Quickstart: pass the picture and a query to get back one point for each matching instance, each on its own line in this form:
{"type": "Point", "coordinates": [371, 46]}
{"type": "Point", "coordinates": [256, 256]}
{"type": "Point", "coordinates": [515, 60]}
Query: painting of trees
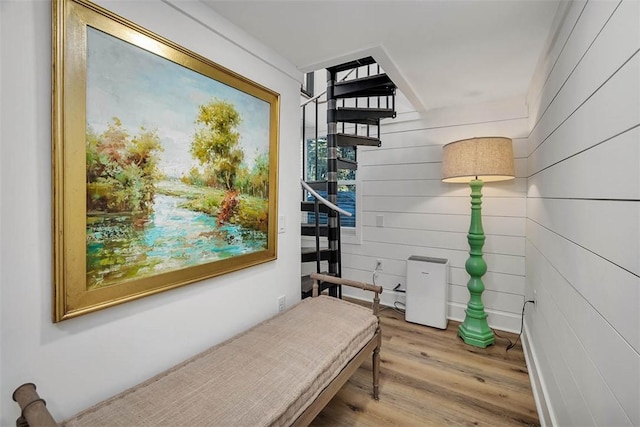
{"type": "Point", "coordinates": [259, 178]}
{"type": "Point", "coordinates": [121, 171]}
{"type": "Point", "coordinates": [254, 181]}
{"type": "Point", "coordinates": [216, 143]}
{"type": "Point", "coordinates": [178, 153]}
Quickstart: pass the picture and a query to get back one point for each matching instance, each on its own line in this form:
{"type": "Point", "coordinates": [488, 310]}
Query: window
{"type": "Point", "coordinates": [316, 170]}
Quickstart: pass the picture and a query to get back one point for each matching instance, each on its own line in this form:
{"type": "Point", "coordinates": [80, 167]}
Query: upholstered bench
{"type": "Point", "coordinates": [281, 372]}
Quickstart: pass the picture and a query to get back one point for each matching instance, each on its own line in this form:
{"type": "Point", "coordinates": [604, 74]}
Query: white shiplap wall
{"type": "Point", "coordinates": [583, 218]}
{"type": "Point", "coordinates": [401, 181]}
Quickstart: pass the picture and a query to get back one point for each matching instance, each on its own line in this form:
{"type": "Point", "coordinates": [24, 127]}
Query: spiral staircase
{"type": "Point", "coordinates": [358, 96]}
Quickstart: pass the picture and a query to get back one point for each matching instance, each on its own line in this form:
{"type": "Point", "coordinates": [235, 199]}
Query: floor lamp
{"type": "Point", "coordinates": [476, 161]}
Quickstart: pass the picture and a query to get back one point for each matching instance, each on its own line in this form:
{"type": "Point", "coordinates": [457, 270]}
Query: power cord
{"type": "Point", "coordinates": [403, 309]}
{"type": "Point", "coordinates": [397, 288]}
{"type": "Point", "coordinates": [400, 310]}
{"type": "Point", "coordinates": [511, 345]}
{"type": "Point", "coordinates": [397, 309]}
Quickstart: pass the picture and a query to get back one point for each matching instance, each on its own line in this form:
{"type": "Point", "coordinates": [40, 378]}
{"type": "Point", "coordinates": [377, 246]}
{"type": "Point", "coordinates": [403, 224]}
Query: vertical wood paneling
{"type": "Point", "coordinates": [583, 210]}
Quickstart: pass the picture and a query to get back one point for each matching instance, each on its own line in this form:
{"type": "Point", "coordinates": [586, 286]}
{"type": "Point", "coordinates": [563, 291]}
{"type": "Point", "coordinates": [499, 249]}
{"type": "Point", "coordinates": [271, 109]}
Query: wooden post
{"type": "Point", "coordinates": [376, 306]}
{"type": "Point", "coordinates": [377, 290]}
{"type": "Point", "coordinates": [34, 409]}
{"type": "Point", "coordinates": [376, 351]}
{"type": "Point", "coordinates": [376, 366]}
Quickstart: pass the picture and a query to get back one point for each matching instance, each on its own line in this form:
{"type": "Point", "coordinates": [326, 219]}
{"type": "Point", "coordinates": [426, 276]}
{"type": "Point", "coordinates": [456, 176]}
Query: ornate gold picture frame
{"type": "Point", "coordinates": [165, 164]}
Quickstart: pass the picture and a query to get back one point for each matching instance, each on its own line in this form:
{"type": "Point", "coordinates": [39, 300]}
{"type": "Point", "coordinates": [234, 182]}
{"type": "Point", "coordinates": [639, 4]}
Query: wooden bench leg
{"type": "Point", "coordinates": [376, 367]}
{"type": "Point", "coordinates": [34, 409]}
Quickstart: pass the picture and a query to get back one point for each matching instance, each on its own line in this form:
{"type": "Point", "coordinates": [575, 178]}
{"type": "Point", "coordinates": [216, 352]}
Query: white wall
{"type": "Point", "coordinates": [86, 359]}
{"type": "Point", "coordinates": [401, 181]}
{"type": "Point", "coordinates": [583, 218]}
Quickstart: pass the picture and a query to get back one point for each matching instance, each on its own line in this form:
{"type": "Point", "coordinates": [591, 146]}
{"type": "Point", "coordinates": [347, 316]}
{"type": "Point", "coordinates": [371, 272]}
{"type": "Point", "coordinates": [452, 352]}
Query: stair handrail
{"type": "Point", "coordinates": [310, 100]}
{"type": "Point", "coordinates": [323, 200]}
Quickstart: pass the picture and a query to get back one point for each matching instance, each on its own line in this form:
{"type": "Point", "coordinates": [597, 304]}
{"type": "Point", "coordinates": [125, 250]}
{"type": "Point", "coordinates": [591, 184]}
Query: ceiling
{"type": "Point", "coordinates": [439, 52]}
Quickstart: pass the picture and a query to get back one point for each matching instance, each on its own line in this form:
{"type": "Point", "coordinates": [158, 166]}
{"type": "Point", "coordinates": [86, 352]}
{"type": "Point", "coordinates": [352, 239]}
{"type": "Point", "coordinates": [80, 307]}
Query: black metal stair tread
{"type": "Point", "coordinates": [370, 116]}
{"type": "Point", "coordinates": [318, 185]}
{"type": "Point", "coordinates": [372, 110]}
{"type": "Point", "coordinates": [376, 85]}
{"type": "Point", "coordinates": [309, 229]}
{"type": "Point", "coordinates": [362, 121]}
{"type": "Point", "coordinates": [350, 140]}
{"type": "Point", "coordinates": [347, 164]}
{"type": "Point", "coordinates": [379, 79]}
{"type": "Point", "coordinates": [309, 254]}
{"type": "Point", "coordinates": [352, 64]}
{"type": "Point", "coordinates": [306, 206]}
{"type": "Point", "coordinates": [311, 249]}
{"type": "Point", "coordinates": [344, 93]}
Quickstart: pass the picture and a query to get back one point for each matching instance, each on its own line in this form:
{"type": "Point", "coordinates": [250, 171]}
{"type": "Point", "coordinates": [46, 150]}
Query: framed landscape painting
{"type": "Point", "coordinates": [164, 163]}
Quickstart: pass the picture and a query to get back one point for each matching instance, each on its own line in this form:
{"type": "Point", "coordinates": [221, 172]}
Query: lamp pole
{"type": "Point", "coordinates": [475, 330]}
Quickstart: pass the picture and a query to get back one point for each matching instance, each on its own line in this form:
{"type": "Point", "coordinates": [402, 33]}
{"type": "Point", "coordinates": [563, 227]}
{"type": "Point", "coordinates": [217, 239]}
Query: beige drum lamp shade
{"type": "Point", "coordinates": [488, 159]}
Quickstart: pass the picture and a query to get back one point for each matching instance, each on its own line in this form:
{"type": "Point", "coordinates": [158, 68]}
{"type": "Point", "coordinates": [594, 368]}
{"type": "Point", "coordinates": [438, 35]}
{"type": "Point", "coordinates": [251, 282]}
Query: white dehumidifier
{"type": "Point", "coordinates": [427, 291]}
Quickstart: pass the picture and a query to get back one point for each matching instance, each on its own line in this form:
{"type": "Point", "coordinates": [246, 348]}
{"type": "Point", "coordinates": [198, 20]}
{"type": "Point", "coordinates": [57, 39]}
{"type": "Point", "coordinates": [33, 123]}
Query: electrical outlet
{"type": "Point", "coordinates": [282, 303]}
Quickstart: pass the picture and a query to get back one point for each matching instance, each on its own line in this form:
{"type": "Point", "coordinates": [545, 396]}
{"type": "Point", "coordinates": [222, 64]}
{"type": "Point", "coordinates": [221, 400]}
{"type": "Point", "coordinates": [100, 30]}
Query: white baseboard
{"type": "Point", "coordinates": [499, 320]}
{"type": "Point", "coordinates": [540, 395]}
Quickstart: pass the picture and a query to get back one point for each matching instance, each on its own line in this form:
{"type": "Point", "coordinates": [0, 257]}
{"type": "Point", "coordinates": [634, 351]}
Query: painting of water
{"type": "Point", "coordinates": [164, 163]}
{"type": "Point", "coordinates": [176, 164]}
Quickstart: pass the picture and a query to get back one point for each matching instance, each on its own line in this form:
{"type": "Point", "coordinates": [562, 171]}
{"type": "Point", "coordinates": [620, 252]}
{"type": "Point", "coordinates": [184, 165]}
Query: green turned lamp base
{"type": "Point", "coordinates": [475, 329]}
{"type": "Point", "coordinates": [476, 332]}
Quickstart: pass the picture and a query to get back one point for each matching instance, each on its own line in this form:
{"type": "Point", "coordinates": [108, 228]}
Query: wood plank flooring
{"type": "Point", "coordinates": [429, 377]}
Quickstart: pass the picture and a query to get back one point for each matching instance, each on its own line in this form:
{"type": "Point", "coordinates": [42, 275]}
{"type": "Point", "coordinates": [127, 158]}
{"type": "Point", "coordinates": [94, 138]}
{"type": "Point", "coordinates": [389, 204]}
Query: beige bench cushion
{"type": "Point", "coordinates": [264, 376]}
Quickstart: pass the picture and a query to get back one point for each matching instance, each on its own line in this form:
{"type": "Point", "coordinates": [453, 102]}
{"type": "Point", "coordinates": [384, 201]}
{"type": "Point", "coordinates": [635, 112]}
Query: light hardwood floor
{"type": "Point", "coordinates": [429, 377]}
